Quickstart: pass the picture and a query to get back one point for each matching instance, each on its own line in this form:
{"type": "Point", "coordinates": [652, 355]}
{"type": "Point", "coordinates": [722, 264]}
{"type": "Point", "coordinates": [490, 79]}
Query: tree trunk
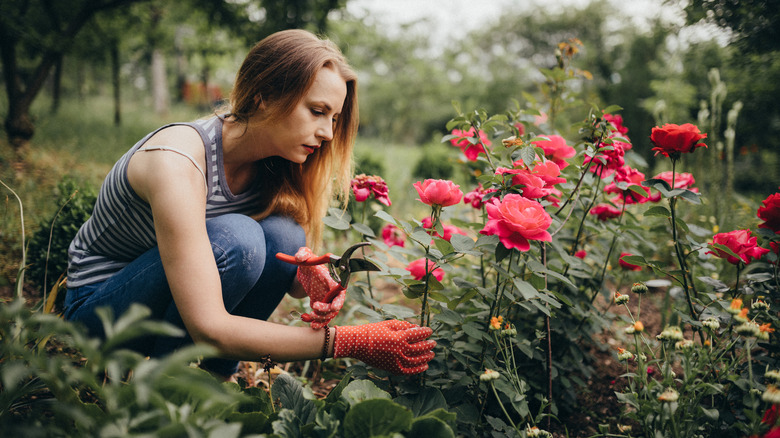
{"type": "Point", "coordinates": [56, 85]}
{"type": "Point", "coordinates": [115, 81]}
{"type": "Point", "coordinates": [159, 83]}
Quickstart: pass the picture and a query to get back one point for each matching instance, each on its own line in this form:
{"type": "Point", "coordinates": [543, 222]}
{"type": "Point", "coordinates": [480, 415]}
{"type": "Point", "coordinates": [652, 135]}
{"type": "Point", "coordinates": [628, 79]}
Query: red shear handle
{"type": "Point", "coordinates": [326, 296]}
{"type": "Point", "coordinates": [311, 261]}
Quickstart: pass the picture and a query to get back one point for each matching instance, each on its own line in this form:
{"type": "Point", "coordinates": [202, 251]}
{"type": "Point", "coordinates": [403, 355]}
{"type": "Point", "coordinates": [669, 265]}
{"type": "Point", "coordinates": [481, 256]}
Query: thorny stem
{"type": "Point", "coordinates": [678, 250]}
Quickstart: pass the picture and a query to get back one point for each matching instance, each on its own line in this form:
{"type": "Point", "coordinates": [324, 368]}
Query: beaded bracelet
{"type": "Point", "coordinates": [325, 344]}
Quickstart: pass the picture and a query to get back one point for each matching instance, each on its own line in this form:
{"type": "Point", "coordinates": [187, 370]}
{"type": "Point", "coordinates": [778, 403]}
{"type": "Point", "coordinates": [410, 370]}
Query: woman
{"type": "Point", "coordinates": [188, 221]}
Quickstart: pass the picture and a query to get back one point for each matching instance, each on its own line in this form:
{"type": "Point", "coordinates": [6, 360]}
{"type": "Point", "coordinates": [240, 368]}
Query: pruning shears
{"type": "Point", "coordinates": [340, 267]}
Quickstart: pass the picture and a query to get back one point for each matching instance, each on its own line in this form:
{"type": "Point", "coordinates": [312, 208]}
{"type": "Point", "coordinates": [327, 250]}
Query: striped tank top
{"type": "Point", "coordinates": [121, 227]}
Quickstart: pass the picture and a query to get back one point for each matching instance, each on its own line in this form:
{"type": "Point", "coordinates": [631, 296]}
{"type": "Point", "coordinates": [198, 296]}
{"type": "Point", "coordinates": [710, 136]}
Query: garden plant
{"type": "Point", "coordinates": [553, 238]}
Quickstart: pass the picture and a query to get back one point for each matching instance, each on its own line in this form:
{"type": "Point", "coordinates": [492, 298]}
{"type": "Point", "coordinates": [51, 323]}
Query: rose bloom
{"type": "Point", "coordinates": [516, 220]}
{"type": "Point", "coordinates": [536, 183]}
{"type": "Point", "coordinates": [770, 213]}
{"type": "Point", "coordinates": [471, 151]}
{"type": "Point", "coordinates": [616, 120]}
{"type": "Point", "coordinates": [556, 150]}
{"type": "Point", "coordinates": [449, 230]}
{"type": "Point", "coordinates": [438, 192]}
{"type": "Point", "coordinates": [673, 140]}
{"type": "Point", "coordinates": [629, 176]}
{"type": "Point", "coordinates": [392, 236]}
{"type": "Point", "coordinates": [364, 186]}
{"type": "Point", "coordinates": [741, 243]}
{"type": "Point", "coordinates": [417, 269]}
{"type": "Point", "coordinates": [628, 266]}
{"type": "Point", "coordinates": [605, 212]}
{"type": "Point", "coordinates": [608, 158]}
{"type": "Point", "coordinates": [474, 197]}
{"type": "Point", "coordinates": [581, 254]}
{"type": "Point", "coordinates": [681, 181]}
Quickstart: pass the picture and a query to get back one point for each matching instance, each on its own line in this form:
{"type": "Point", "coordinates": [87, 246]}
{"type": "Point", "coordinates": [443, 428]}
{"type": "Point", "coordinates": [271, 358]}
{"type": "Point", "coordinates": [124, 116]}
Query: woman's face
{"type": "Point", "coordinates": [311, 122]}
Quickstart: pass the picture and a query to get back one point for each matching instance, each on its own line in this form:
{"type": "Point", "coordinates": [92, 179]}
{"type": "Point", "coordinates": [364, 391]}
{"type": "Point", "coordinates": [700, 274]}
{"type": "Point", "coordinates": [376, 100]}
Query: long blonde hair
{"type": "Point", "coordinates": [278, 72]}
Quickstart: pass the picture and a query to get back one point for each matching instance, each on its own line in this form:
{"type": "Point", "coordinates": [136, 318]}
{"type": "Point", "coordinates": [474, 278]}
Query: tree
{"type": "Point", "coordinates": [754, 23]}
{"type": "Point", "coordinates": [34, 35]}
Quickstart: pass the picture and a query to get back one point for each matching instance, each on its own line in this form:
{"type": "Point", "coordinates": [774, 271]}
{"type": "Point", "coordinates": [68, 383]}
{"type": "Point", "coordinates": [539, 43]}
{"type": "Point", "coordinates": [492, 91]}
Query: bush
{"type": "Point", "coordinates": [48, 252]}
{"type": "Point", "coordinates": [435, 163]}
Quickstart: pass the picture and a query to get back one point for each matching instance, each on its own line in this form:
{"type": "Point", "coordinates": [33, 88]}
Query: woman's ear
{"type": "Point", "coordinates": [259, 102]}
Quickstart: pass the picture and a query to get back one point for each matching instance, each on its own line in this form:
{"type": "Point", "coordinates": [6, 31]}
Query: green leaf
{"type": "Point", "coordinates": [713, 414]}
{"type": "Point", "coordinates": [427, 400]}
{"type": "Point", "coordinates": [725, 249]}
{"type": "Point", "coordinates": [612, 109]}
{"type": "Point", "coordinates": [335, 394]}
{"type": "Point", "coordinates": [526, 290]}
{"type": "Point", "coordinates": [385, 216]}
{"type": "Point", "coordinates": [363, 229]}
{"type": "Point", "coordinates": [378, 417]}
{"type": "Point", "coordinates": [360, 390]}
{"type": "Point", "coordinates": [431, 427]}
{"type": "Point", "coordinates": [337, 219]}
{"type": "Point", "coordinates": [289, 392]}
{"type": "Point", "coordinates": [528, 155]}
{"type": "Point", "coordinates": [288, 425]}
{"type": "Point", "coordinates": [658, 210]}
{"type": "Point", "coordinates": [251, 422]}
{"type": "Point", "coordinates": [462, 243]}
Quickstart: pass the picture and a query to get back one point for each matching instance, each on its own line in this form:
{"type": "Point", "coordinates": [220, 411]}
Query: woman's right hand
{"type": "Point", "coordinates": [325, 294]}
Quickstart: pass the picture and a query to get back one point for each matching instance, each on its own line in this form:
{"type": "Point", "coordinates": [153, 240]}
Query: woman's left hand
{"type": "Point", "coordinates": [325, 294]}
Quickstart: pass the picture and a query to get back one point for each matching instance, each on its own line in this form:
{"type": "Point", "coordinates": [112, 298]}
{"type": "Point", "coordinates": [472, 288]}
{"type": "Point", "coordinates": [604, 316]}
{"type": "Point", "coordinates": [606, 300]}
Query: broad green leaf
{"type": "Point", "coordinates": [431, 427]}
{"type": "Point", "coordinates": [427, 400]}
{"type": "Point", "coordinates": [360, 390]}
{"type": "Point", "coordinates": [378, 417]}
{"type": "Point", "coordinates": [289, 392]}
{"type": "Point", "coordinates": [462, 243]}
{"type": "Point", "coordinates": [363, 229]}
{"type": "Point", "coordinates": [251, 422]}
{"type": "Point", "coordinates": [335, 394]}
{"type": "Point", "coordinates": [526, 290]}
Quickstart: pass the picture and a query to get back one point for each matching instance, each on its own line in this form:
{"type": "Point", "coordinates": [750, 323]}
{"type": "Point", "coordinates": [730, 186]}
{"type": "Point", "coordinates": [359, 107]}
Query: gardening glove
{"type": "Point", "coordinates": [393, 345]}
{"type": "Point", "coordinates": [325, 294]}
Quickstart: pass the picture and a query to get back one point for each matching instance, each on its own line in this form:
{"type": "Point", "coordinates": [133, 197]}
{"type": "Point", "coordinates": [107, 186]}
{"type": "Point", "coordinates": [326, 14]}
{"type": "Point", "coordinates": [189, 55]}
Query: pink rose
{"type": "Point", "coordinates": [438, 192]}
{"type": "Point", "coordinates": [627, 176]}
{"type": "Point", "coordinates": [741, 243]}
{"type": "Point", "coordinates": [673, 140]}
{"type": "Point", "coordinates": [516, 220]}
{"type": "Point", "coordinates": [392, 236]}
{"type": "Point", "coordinates": [556, 150]}
{"type": "Point", "coordinates": [681, 181]}
{"type": "Point", "coordinates": [449, 230]}
{"type": "Point", "coordinates": [536, 183]}
{"type": "Point", "coordinates": [364, 186]}
{"type": "Point", "coordinates": [770, 213]}
{"type": "Point", "coordinates": [475, 196]}
{"type": "Point", "coordinates": [608, 157]}
{"type": "Point", "coordinates": [581, 254]}
{"type": "Point", "coordinates": [471, 151]}
{"type": "Point", "coordinates": [605, 211]}
{"type": "Point", "coordinates": [418, 269]}
{"type": "Point", "coordinates": [628, 266]}
{"type": "Point", "coordinates": [616, 120]}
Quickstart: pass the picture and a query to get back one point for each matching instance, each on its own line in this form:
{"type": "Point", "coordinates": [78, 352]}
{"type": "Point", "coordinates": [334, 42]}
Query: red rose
{"type": "Point", "coordinates": [605, 211]}
{"type": "Point", "coordinates": [770, 213]}
{"type": "Point", "coordinates": [681, 181]}
{"type": "Point", "coordinates": [516, 220]}
{"type": "Point", "coordinates": [673, 140]}
{"type": "Point", "coordinates": [616, 121]}
{"type": "Point", "coordinates": [771, 415]}
{"type": "Point", "coordinates": [556, 150]}
{"type": "Point", "coordinates": [741, 243]}
{"type": "Point", "coordinates": [438, 192]}
{"type": "Point", "coordinates": [392, 236]}
{"type": "Point", "coordinates": [471, 151]}
{"type": "Point", "coordinates": [581, 254]}
{"type": "Point", "coordinates": [364, 186]}
{"type": "Point", "coordinates": [627, 176]}
{"type": "Point", "coordinates": [418, 270]}
{"type": "Point", "coordinates": [628, 266]}
{"type": "Point", "coordinates": [608, 158]}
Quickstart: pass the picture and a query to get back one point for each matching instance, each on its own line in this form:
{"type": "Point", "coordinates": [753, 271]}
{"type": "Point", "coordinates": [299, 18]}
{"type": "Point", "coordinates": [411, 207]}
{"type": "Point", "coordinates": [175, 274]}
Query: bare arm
{"type": "Point", "coordinates": [174, 189]}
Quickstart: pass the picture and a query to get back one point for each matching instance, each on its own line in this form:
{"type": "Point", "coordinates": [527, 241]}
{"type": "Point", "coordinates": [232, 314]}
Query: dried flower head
{"type": "Point", "coordinates": [771, 395]}
{"type": "Point", "coordinates": [764, 331]}
{"type": "Point", "coordinates": [759, 305]}
{"type": "Point", "coordinates": [495, 322]}
{"type": "Point", "coordinates": [685, 344]}
{"type": "Point", "coordinates": [669, 396]}
{"type": "Point", "coordinates": [639, 327]}
{"type": "Point", "coordinates": [735, 307]}
{"type": "Point", "coordinates": [624, 354]}
{"type": "Point", "coordinates": [489, 375]}
{"type": "Point", "coordinates": [535, 432]}
{"type": "Point", "coordinates": [509, 330]}
{"type": "Point", "coordinates": [711, 323]}
{"type": "Point", "coordinates": [512, 141]}
{"type": "Point", "coordinates": [620, 298]}
{"type": "Point", "coordinates": [671, 334]}
{"type": "Point", "coordinates": [749, 329]}
{"type": "Point", "coordinates": [742, 316]}
{"type": "Point", "coordinates": [639, 288]}
{"type": "Point", "coordinates": [773, 376]}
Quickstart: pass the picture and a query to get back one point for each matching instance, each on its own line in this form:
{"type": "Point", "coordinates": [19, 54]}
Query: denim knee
{"type": "Point", "coordinates": [239, 247]}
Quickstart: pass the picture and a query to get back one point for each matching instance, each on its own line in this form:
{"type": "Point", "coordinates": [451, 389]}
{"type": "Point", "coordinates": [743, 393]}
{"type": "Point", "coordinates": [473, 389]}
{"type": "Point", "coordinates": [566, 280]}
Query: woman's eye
{"type": "Point", "coordinates": [317, 112]}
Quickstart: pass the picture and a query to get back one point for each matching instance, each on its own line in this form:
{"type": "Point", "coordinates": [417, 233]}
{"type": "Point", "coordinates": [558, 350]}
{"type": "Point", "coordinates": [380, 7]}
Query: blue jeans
{"type": "Point", "coordinates": [253, 280]}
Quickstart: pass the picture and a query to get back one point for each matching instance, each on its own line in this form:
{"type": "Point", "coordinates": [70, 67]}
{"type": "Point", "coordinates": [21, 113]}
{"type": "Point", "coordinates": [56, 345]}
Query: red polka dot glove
{"type": "Point", "coordinates": [396, 346]}
{"type": "Point", "coordinates": [325, 294]}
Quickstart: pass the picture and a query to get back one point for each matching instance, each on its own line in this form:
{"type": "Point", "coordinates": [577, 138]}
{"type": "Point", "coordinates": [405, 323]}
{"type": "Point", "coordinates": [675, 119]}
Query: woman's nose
{"type": "Point", "coordinates": [325, 131]}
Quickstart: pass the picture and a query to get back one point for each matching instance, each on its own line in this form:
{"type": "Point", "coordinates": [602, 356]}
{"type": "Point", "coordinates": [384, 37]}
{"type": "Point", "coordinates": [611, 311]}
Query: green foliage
{"type": "Point", "coordinates": [434, 163]}
{"type": "Point", "coordinates": [47, 256]}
